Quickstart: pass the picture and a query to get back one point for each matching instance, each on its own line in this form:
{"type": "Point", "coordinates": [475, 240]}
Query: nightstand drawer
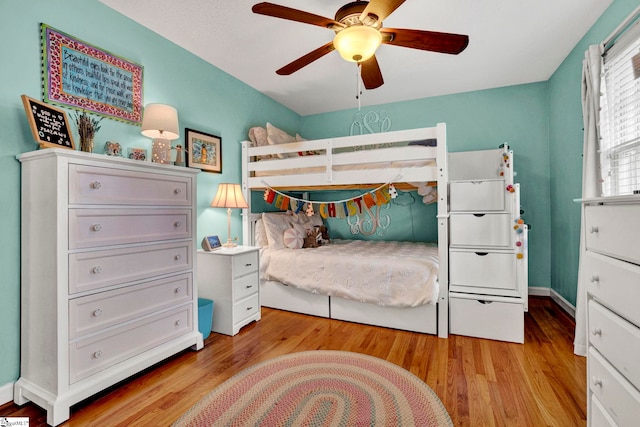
{"type": "Point", "coordinates": [619, 398]}
{"type": "Point", "coordinates": [245, 263]}
{"type": "Point", "coordinates": [94, 312]}
{"type": "Point", "coordinates": [495, 270]}
{"type": "Point", "coordinates": [93, 270]}
{"type": "Point", "coordinates": [474, 196]}
{"type": "Point", "coordinates": [605, 224]}
{"type": "Point", "coordinates": [111, 186]}
{"type": "Point", "coordinates": [92, 355]}
{"type": "Point", "coordinates": [616, 339]}
{"type": "Point", "coordinates": [616, 284]}
{"type": "Point", "coordinates": [245, 286]}
{"type": "Point", "coordinates": [481, 230]}
{"type": "Point", "coordinates": [101, 227]}
{"type": "Point", "coordinates": [246, 308]}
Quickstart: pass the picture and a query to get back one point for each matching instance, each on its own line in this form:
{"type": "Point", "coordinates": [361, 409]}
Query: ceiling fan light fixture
{"type": "Point", "coordinates": [357, 43]}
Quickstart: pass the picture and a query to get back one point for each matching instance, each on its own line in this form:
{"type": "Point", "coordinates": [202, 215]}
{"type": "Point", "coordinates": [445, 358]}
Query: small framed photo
{"type": "Point", "coordinates": [137, 153]}
{"type": "Point", "coordinates": [204, 151]}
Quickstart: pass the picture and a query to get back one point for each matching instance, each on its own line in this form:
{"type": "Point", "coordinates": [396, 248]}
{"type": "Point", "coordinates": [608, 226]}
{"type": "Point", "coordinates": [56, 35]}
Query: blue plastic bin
{"type": "Point", "coordinates": [205, 316]}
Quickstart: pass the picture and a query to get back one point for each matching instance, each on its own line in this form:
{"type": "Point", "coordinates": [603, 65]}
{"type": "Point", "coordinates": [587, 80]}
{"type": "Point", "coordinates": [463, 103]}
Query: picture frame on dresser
{"type": "Point", "coordinates": [204, 151]}
{"type": "Point", "coordinates": [49, 125]}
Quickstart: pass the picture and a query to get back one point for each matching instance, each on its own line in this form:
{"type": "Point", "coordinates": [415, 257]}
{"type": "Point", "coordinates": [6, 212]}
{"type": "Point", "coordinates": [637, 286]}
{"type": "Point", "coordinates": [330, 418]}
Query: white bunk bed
{"type": "Point", "coordinates": [391, 157]}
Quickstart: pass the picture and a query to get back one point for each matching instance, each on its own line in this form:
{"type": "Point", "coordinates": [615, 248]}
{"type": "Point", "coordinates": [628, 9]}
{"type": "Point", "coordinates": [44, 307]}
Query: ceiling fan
{"type": "Point", "coordinates": [359, 32]}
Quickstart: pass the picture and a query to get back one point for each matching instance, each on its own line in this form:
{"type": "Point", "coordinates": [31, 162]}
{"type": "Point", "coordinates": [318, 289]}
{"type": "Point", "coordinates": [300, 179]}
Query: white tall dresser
{"type": "Point", "coordinates": [611, 264]}
{"type": "Point", "coordinates": [488, 291]}
{"type": "Point", "coordinates": [107, 273]}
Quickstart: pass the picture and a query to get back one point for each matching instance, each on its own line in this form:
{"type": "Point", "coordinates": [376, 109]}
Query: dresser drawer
{"type": "Point", "coordinates": [608, 230]}
{"type": "Point", "coordinates": [616, 284]}
{"type": "Point", "coordinates": [598, 416]}
{"type": "Point", "coordinates": [246, 308]}
{"type": "Point", "coordinates": [113, 186]}
{"type": "Point", "coordinates": [92, 355]}
{"type": "Point", "coordinates": [102, 227]}
{"type": "Point", "coordinates": [619, 398]}
{"type": "Point", "coordinates": [474, 196]}
{"type": "Point", "coordinates": [245, 263]}
{"type": "Point", "coordinates": [245, 286]}
{"type": "Point", "coordinates": [481, 230]}
{"type": "Point", "coordinates": [616, 339]}
{"type": "Point", "coordinates": [495, 270]}
{"type": "Point", "coordinates": [497, 318]}
{"type": "Point", "coordinates": [93, 270]}
{"type": "Point", "coordinates": [94, 312]}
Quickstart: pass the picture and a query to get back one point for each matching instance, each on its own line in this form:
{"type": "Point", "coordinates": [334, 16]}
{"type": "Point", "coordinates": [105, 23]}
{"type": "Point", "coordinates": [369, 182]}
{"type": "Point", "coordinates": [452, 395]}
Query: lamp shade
{"type": "Point", "coordinates": [357, 43]}
{"type": "Point", "coordinates": [160, 121]}
{"type": "Point", "coordinates": [229, 196]}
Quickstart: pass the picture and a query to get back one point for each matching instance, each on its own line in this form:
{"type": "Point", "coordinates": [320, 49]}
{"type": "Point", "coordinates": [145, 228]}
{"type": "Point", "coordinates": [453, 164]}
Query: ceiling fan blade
{"type": "Point", "coordinates": [284, 12]}
{"type": "Point", "coordinates": [371, 74]}
{"type": "Point", "coordinates": [380, 8]}
{"type": "Point", "coordinates": [305, 60]}
{"type": "Point", "coordinates": [425, 40]}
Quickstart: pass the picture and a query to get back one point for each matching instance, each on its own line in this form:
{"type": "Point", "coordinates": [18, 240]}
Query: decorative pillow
{"type": "Point", "coordinates": [306, 153]}
{"type": "Point", "coordinates": [277, 136]}
{"type": "Point", "coordinates": [260, 238]}
{"type": "Point", "coordinates": [258, 137]}
{"type": "Point", "coordinates": [275, 225]}
{"type": "Point", "coordinates": [293, 238]}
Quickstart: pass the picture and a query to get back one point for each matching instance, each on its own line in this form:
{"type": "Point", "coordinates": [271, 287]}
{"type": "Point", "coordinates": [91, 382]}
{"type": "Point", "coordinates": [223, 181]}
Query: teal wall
{"type": "Point", "coordinates": [480, 120]}
{"type": "Point", "coordinates": [565, 142]}
{"type": "Point", "coordinates": [206, 98]}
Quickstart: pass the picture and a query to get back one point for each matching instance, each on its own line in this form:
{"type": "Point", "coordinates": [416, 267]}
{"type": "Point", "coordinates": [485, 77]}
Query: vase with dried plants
{"type": "Point", "coordinates": [87, 128]}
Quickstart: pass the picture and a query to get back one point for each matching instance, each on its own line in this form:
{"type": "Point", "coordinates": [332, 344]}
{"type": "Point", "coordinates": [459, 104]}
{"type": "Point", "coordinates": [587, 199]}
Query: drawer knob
{"type": "Point", "coordinates": [249, 286]}
{"type": "Point", "coordinates": [177, 191]}
{"type": "Point", "coordinates": [178, 322]}
{"type": "Point", "coordinates": [248, 265]}
{"type": "Point", "coordinates": [97, 354]}
{"type": "Point", "coordinates": [595, 279]}
{"type": "Point", "coordinates": [178, 290]}
{"type": "Point", "coordinates": [597, 331]}
{"type": "Point", "coordinates": [249, 308]}
{"type": "Point", "coordinates": [594, 229]}
{"type": "Point", "coordinates": [95, 185]}
{"type": "Point", "coordinates": [97, 312]}
{"type": "Point", "coordinates": [597, 382]}
{"type": "Point", "coordinates": [177, 257]}
{"type": "Point", "coordinates": [177, 224]}
{"type": "Point", "coordinates": [96, 270]}
{"type": "Point", "coordinates": [96, 227]}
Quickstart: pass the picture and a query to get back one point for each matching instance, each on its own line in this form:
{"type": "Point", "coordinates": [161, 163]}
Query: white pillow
{"type": "Point", "coordinates": [275, 224]}
{"type": "Point", "coordinates": [260, 235]}
{"type": "Point", "coordinates": [293, 238]}
{"type": "Point", "coordinates": [277, 136]}
{"type": "Point", "coordinates": [258, 137]}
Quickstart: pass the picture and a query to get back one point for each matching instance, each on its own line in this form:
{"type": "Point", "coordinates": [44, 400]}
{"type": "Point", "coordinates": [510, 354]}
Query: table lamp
{"type": "Point", "coordinates": [229, 196]}
{"type": "Point", "coordinates": [160, 122]}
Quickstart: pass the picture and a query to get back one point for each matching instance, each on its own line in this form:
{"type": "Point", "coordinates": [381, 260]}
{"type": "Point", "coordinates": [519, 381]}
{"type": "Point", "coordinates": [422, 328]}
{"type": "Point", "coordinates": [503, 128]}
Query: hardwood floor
{"type": "Point", "coordinates": [480, 382]}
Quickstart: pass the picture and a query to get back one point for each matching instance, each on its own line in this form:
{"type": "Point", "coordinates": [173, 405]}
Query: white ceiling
{"type": "Point", "coordinates": [510, 42]}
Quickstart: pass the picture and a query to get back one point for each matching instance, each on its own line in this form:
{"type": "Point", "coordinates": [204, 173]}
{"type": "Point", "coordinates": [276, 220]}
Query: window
{"type": "Point", "coordinates": [620, 115]}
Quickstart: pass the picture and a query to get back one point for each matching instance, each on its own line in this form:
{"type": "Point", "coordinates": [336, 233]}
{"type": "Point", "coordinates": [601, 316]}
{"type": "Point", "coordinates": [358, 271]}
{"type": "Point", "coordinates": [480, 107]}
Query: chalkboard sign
{"type": "Point", "coordinates": [49, 125]}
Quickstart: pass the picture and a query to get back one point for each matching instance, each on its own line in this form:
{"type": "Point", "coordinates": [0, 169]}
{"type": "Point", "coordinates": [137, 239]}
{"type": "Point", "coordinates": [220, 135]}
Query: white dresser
{"type": "Point", "coordinates": [487, 247]}
{"type": "Point", "coordinates": [612, 273]}
{"type": "Point", "coordinates": [107, 273]}
{"type": "Point", "coordinates": [230, 277]}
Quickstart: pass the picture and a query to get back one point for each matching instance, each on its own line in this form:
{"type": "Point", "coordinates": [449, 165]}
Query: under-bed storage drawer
{"type": "Point", "coordinates": [613, 391]}
{"type": "Point", "coordinates": [480, 230]}
{"type": "Point", "coordinates": [474, 196]}
{"type": "Point", "coordinates": [492, 317]}
{"type": "Point", "coordinates": [478, 269]}
{"type": "Point", "coordinates": [616, 339]}
{"type": "Point", "coordinates": [604, 226]}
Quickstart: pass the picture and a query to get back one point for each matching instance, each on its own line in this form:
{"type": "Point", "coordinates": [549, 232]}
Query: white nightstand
{"type": "Point", "coordinates": [230, 277]}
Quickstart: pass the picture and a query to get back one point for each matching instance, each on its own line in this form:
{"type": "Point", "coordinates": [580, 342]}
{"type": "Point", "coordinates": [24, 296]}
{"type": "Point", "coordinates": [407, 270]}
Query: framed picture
{"type": "Point", "coordinates": [49, 125]}
{"type": "Point", "coordinates": [204, 151]}
{"type": "Point", "coordinates": [137, 153]}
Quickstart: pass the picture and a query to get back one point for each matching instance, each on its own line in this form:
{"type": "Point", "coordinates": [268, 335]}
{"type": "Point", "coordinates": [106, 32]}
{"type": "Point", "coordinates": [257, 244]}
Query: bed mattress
{"type": "Point", "coordinates": [395, 274]}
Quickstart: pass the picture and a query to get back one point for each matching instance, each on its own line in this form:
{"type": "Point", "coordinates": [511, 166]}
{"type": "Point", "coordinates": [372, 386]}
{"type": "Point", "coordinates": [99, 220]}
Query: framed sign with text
{"type": "Point", "coordinates": [49, 125]}
{"type": "Point", "coordinates": [79, 75]}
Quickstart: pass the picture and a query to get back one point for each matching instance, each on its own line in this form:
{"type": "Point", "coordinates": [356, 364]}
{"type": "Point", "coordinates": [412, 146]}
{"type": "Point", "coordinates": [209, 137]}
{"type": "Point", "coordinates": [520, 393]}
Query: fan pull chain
{"type": "Point", "coordinates": [359, 83]}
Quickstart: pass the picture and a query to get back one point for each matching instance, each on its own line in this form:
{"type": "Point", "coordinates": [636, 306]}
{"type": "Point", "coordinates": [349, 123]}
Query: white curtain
{"type": "Point", "coordinates": [591, 182]}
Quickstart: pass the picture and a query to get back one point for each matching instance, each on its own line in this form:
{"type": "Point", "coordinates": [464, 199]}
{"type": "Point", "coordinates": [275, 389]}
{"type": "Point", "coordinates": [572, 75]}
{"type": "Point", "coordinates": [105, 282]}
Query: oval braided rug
{"type": "Point", "coordinates": [320, 388]}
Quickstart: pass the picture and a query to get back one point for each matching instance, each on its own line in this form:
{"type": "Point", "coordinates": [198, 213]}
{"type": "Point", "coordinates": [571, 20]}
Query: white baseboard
{"type": "Point", "coordinates": [566, 305]}
{"type": "Point", "coordinates": [6, 393]}
{"type": "Point", "coordinates": [548, 292]}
